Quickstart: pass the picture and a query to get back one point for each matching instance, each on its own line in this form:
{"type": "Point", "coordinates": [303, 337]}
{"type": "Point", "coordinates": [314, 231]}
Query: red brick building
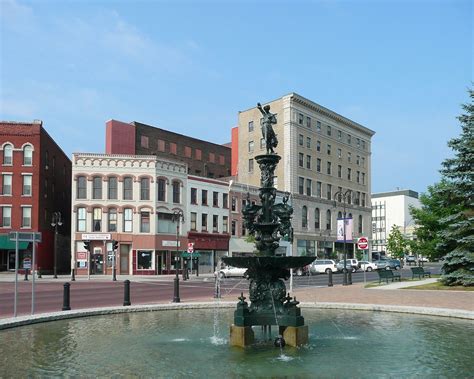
{"type": "Point", "coordinates": [203, 158]}
{"type": "Point", "coordinates": [35, 184]}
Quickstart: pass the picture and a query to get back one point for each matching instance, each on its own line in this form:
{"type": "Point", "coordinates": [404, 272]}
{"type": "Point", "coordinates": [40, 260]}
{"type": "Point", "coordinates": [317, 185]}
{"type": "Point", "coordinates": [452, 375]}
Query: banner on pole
{"type": "Point", "coordinates": [348, 223]}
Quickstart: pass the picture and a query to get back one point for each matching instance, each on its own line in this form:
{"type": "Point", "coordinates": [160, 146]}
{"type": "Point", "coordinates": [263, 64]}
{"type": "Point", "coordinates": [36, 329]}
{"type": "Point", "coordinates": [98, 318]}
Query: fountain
{"type": "Point", "coordinates": [268, 222]}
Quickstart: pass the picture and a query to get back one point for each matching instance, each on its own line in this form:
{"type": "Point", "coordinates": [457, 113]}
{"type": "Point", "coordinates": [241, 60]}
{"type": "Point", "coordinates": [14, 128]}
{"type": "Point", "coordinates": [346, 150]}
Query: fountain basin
{"type": "Point", "coordinates": [265, 262]}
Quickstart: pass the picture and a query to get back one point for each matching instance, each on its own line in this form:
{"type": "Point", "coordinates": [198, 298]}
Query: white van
{"type": "Point", "coordinates": [321, 266]}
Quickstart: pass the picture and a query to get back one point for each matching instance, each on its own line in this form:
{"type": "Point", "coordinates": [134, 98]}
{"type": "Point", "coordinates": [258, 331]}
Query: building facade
{"type": "Point", "coordinates": [323, 154]}
{"type": "Point", "coordinates": [389, 209]}
{"type": "Point", "coordinates": [201, 157]}
{"type": "Point", "coordinates": [35, 182]}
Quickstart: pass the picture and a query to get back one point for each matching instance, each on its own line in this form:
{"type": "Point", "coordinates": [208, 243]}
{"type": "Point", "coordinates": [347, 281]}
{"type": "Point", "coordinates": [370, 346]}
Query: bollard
{"type": "Point", "coordinates": [66, 297]}
{"type": "Point", "coordinates": [349, 277]}
{"type": "Point", "coordinates": [330, 278]}
{"type": "Point", "coordinates": [26, 275]}
{"type": "Point", "coordinates": [73, 275]}
{"type": "Point", "coordinates": [126, 293]}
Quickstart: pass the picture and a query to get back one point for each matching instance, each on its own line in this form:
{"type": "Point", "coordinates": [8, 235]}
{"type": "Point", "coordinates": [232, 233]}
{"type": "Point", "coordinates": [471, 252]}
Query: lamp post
{"type": "Point", "coordinates": [343, 196]}
{"type": "Point", "coordinates": [177, 217]}
{"type": "Point", "coordinates": [55, 222]}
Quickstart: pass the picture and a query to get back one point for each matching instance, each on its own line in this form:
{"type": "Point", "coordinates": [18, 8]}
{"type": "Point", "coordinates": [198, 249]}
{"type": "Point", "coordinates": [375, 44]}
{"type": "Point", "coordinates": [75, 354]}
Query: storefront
{"type": "Point", "coordinates": [211, 247]}
{"type": "Point", "coordinates": [7, 253]}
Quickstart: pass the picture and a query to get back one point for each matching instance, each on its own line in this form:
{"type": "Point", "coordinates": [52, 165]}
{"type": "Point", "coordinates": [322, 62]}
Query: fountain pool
{"type": "Point", "coordinates": [189, 343]}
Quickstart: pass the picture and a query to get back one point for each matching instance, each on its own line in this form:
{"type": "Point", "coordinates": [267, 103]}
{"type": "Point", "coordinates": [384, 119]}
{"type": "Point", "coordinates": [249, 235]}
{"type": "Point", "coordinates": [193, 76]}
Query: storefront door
{"type": "Point", "coordinates": [124, 259]}
{"type": "Point", "coordinates": [97, 264]}
{"type": "Point", "coordinates": [161, 262]}
{"type": "Point", "coordinates": [11, 260]}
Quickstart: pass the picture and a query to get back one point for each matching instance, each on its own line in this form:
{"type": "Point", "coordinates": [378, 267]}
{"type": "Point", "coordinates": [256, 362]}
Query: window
{"type": "Point", "coordinates": [309, 185]}
{"type": "Point", "coordinates": [144, 222]}
{"type": "Point", "coordinates": [358, 176]}
{"type": "Point", "coordinates": [144, 260]}
{"type": "Point", "coordinates": [234, 227]}
{"type": "Point", "coordinates": [144, 141]}
{"type": "Point", "coordinates": [300, 159]}
{"type": "Point", "coordinates": [308, 142]}
{"type": "Point", "coordinates": [250, 146]}
{"type": "Point", "coordinates": [363, 145]}
{"type": "Point", "coordinates": [339, 194]}
{"type": "Point", "coordinates": [26, 217]}
{"type": "Point", "coordinates": [193, 195]}
{"type": "Point", "coordinates": [318, 126]}
{"type": "Point", "coordinates": [262, 143]}
{"type": "Point", "coordinates": [329, 168]}
{"type": "Point", "coordinates": [308, 122]}
{"type": "Point", "coordinates": [193, 220]}
{"type": "Point", "coordinates": [358, 142]}
{"type": "Point", "coordinates": [145, 189]}
{"type": "Point", "coordinates": [112, 220]}
{"type": "Point", "coordinates": [363, 162]}
{"type": "Point", "coordinates": [339, 171]}
{"type": "Point", "coordinates": [250, 165]}
{"type": "Point", "coordinates": [127, 220]}
{"type": "Point", "coordinates": [97, 219]}
{"type": "Point", "coordinates": [318, 189]}
{"type": "Point", "coordinates": [215, 199]}
{"type": "Point", "coordinates": [161, 189]}
{"type": "Point", "coordinates": [328, 220]}
{"type": "Point", "coordinates": [8, 154]}
{"type": "Point", "coordinates": [7, 184]}
{"type": "Point", "coordinates": [363, 199]}
{"type": "Point", "coordinates": [225, 201]}
{"type": "Point", "coordinates": [250, 126]}
{"type": "Point", "coordinates": [173, 148]}
{"type": "Point", "coordinates": [360, 224]}
{"type": "Point", "coordinates": [46, 159]}
{"type": "Point", "coordinates": [127, 188]}
{"type": "Point", "coordinates": [308, 162]}
{"type": "Point", "coordinates": [112, 188]}
{"type": "Point", "coordinates": [161, 145]}
{"type": "Point", "coordinates": [27, 155]}
{"type": "Point", "coordinates": [81, 187]}
{"type": "Point", "coordinates": [316, 218]}
{"type": "Point", "coordinates": [204, 197]}
{"type": "Point", "coordinates": [5, 217]}
{"type": "Point", "coordinates": [304, 217]}
{"type": "Point", "coordinates": [233, 204]}
{"type": "Point", "coordinates": [318, 165]}
{"type": "Point", "coordinates": [339, 134]}
{"type": "Point", "coordinates": [204, 222]}
{"type": "Point", "coordinates": [188, 152]}
{"type": "Point", "coordinates": [81, 219]}
{"type": "Point", "coordinates": [198, 154]}
{"type": "Point", "coordinates": [358, 160]}
{"type": "Point", "coordinates": [349, 174]}
{"type": "Point", "coordinates": [329, 149]}
{"type": "Point", "coordinates": [328, 191]}
{"type": "Point", "coordinates": [349, 139]}
{"type": "Point", "coordinates": [27, 185]}
{"type": "Point", "coordinates": [357, 198]}
{"type": "Point", "coordinates": [300, 140]}
{"type": "Point", "coordinates": [97, 187]}
{"type": "Point", "coordinates": [300, 118]}
{"type": "Point", "coordinates": [215, 223]}
{"type": "Point", "coordinates": [329, 130]}
{"type": "Point", "coordinates": [339, 153]}
{"type": "Point", "coordinates": [318, 145]}
{"type": "Point", "coordinates": [301, 186]}
{"type": "Point", "coordinates": [176, 192]}
{"type": "Point", "coordinates": [363, 178]}
{"type": "Point", "coordinates": [349, 156]}
{"type": "Point", "coordinates": [46, 187]}
{"type": "Point", "coordinates": [165, 223]}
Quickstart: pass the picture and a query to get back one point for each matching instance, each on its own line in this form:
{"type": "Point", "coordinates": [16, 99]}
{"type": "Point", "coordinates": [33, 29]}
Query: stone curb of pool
{"type": "Point", "coordinates": [46, 317]}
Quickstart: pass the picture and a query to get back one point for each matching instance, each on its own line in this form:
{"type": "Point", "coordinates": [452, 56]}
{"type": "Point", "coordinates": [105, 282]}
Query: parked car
{"type": "Point", "coordinates": [229, 271]}
{"type": "Point", "coordinates": [349, 266]}
{"type": "Point", "coordinates": [410, 259]}
{"type": "Point", "coordinates": [423, 259]}
{"type": "Point", "coordinates": [320, 266]}
{"type": "Point", "coordinates": [388, 264]}
{"type": "Point", "coordinates": [367, 266]}
{"type": "Point", "coordinates": [301, 271]}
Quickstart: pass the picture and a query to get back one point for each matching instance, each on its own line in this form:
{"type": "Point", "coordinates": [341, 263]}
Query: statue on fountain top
{"type": "Point", "coordinates": [268, 133]}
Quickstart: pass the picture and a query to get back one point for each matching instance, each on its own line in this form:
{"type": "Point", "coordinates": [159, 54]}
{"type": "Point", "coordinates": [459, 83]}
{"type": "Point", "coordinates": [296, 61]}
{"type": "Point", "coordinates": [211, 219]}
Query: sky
{"type": "Point", "coordinates": [400, 68]}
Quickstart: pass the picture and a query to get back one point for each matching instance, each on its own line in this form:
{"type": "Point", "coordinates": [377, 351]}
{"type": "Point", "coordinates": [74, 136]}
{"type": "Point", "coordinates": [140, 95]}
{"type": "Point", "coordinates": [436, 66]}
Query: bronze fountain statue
{"type": "Point", "coordinates": [268, 222]}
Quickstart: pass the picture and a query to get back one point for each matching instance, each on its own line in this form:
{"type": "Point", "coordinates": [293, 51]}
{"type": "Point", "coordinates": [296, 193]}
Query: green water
{"type": "Point", "coordinates": [178, 344]}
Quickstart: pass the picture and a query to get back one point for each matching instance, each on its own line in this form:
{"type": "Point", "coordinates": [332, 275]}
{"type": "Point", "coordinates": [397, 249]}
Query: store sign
{"type": "Point", "coordinates": [171, 243]}
{"type": "Point", "coordinates": [81, 256]}
{"type": "Point", "coordinates": [96, 236]}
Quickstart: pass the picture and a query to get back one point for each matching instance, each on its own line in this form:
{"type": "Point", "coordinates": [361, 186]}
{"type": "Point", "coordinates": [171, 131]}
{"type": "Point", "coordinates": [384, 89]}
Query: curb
{"type": "Point", "coordinates": [47, 317]}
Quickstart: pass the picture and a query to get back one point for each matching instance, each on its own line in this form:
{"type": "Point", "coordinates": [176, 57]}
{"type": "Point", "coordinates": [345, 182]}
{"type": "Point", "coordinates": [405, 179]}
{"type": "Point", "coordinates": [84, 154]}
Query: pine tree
{"type": "Point", "coordinates": [457, 234]}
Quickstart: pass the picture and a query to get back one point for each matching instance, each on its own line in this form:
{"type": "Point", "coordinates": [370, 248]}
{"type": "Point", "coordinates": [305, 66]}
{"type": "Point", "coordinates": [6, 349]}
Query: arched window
{"type": "Point", "coordinates": [97, 220]}
{"type": "Point", "coordinates": [360, 224]}
{"type": "Point", "coordinates": [316, 218]}
{"type": "Point", "coordinates": [176, 192]}
{"type": "Point", "coordinates": [350, 215]}
{"type": "Point", "coordinates": [97, 187]}
{"type": "Point", "coordinates": [8, 154]}
{"type": "Point", "coordinates": [27, 155]}
{"type": "Point", "coordinates": [304, 217]}
{"type": "Point", "coordinates": [145, 189]}
{"type": "Point", "coordinates": [128, 188]}
{"type": "Point", "coordinates": [161, 189]}
{"type": "Point", "coordinates": [328, 220]}
{"type": "Point", "coordinates": [81, 190]}
{"type": "Point", "coordinates": [112, 222]}
{"type": "Point", "coordinates": [112, 188]}
{"type": "Point", "coordinates": [339, 214]}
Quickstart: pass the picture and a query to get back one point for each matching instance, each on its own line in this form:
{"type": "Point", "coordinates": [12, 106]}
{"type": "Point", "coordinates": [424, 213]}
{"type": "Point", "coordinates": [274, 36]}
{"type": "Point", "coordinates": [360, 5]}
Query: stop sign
{"type": "Point", "coordinates": [191, 247]}
{"type": "Point", "coordinates": [363, 243]}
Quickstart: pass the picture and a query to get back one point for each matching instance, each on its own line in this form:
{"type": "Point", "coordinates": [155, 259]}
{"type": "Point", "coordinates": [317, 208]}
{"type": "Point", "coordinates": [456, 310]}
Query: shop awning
{"type": "Point", "coordinates": [6, 244]}
{"type": "Point", "coordinates": [193, 255]}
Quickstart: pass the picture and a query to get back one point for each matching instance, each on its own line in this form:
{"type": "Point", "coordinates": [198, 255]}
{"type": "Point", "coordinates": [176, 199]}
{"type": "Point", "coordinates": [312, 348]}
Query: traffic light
{"type": "Point", "coordinates": [114, 245]}
{"type": "Point", "coordinates": [87, 245]}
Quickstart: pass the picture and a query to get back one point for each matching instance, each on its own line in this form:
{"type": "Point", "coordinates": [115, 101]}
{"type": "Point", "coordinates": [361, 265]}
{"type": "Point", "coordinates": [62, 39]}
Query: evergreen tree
{"type": "Point", "coordinates": [457, 234]}
{"type": "Point", "coordinates": [397, 244]}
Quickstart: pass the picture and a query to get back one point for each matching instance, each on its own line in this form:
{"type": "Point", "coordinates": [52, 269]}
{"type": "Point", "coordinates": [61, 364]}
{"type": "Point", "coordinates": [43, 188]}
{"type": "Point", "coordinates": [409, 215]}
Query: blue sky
{"type": "Point", "coordinates": [401, 68]}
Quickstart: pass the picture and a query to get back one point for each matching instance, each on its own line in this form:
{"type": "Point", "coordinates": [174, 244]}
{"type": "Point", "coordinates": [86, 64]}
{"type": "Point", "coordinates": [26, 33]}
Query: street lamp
{"type": "Point", "coordinates": [343, 196]}
{"type": "Point", "coordinates": [55, 222]}
{"type": "Point", "coordinates": [177, 217]}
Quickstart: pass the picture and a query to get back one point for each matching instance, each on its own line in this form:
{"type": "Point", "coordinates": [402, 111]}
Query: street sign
{"type": "Point", "coordinates": [363, 243]}
{"type": "Point", "coordinates": [27, 263]}
{"type": "Point", "coordinates": [25, 236]}
{"type": "Point", "coordinates": [191, 247]}
{"type": "Point", "coordinates": [96, 236]}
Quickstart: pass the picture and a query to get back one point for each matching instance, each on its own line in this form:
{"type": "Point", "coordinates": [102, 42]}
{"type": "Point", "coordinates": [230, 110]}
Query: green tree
{"type": "Point", "coordinates": [457, 234]}
{"type": "Point", "coordinates": [397, 244]}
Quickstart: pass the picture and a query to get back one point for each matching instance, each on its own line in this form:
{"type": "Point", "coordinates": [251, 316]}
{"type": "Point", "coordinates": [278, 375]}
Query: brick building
{"type": "Point", "coordinates": [35, 177]}
{"type": "Point", "coordinates": [202, 158]}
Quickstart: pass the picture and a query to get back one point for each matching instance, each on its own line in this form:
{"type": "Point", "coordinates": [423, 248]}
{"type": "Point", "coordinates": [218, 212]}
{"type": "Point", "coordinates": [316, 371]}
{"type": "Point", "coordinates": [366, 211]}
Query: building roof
{"type": "Point", "coordinates": [404, 192]}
